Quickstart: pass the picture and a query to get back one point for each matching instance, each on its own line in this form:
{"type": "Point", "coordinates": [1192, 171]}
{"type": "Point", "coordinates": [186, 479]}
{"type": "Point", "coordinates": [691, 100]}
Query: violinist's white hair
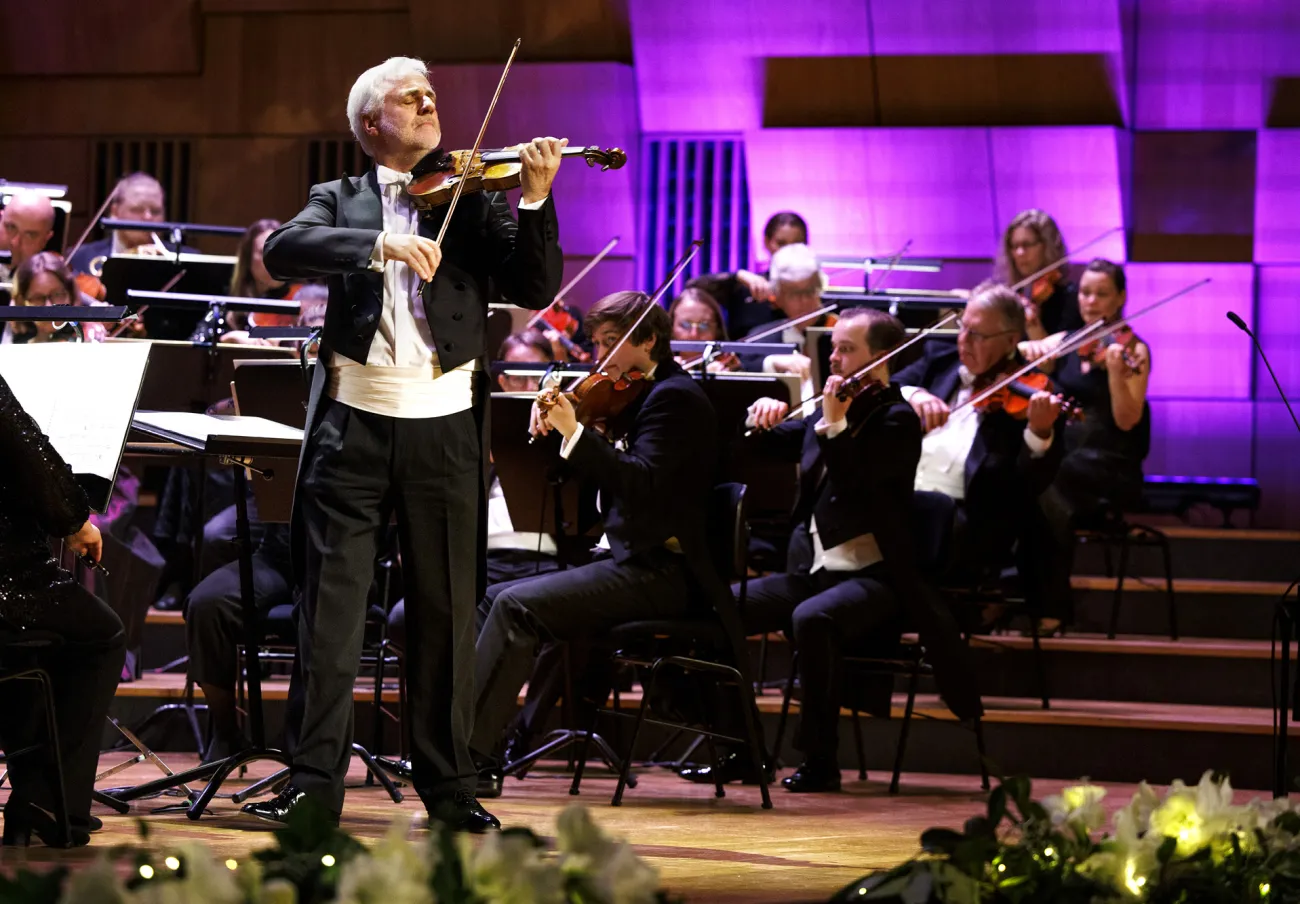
{"type": "Point", "coordinates": [794, 266]}
{"type": "Point", "coordinates": [367, 94]}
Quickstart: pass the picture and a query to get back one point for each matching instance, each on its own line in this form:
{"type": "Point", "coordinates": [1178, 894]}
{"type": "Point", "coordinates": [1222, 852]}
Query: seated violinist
{"type": "Point", "coordinates": [28, 224]}
{"type": "Point", "coordinates": [796, 280]}
{"type": "Point", "coordinates": [697, 317]}
{"type": "Point", "coordinates": [653, 560]}
{"type": "Point", "coordinates": [990, 463]}
{"type": "Point", "coordinates": [1030, 243]}
{"type": "Point", "coordinates": [747, 296]}
{"type": "Point", "coordinates": [852, 536]}
{"type": "Point", "coordinates": [1104, 451]}
{"type": "Point", "coordinates": [138, 196]}
{"type": "Point", "coordinates": [250, 279]}
{"type": "Point", "coordinates": [43, 279]}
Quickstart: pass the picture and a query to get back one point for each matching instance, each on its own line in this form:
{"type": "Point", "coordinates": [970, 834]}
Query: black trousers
{"type": "Point", "coordinates": [360, 469]}
{"type": "Point", "coordinates": [84, 672]}
{"type": "Point", "coordinates": [577, 604]}
{"type": "Point", "coordinates": [214, 618]}
{"type": "Point", "coordinates": [826, 614]}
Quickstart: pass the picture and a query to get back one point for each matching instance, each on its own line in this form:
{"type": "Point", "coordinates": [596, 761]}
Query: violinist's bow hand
{"type": "Point", "coordinates": [539, 162]}
{"type": "Point", "coordinates": [537, 424]}
{"type": "Point", "coordinates": [767, 413]}
{"type": "Point", "coordinates": [932, 410]}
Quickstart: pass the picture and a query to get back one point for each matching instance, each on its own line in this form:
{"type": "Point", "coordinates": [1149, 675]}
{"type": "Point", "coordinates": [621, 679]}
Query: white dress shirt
{"type": "Point", "coordinates": [944, 451]}
{"type": "Point", "coordinates": [401, 376]}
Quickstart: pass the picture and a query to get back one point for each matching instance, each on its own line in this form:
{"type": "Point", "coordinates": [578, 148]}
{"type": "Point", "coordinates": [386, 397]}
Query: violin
{"type": "Point", "coordinates": [1044, 286]}
{"type": "Point", "coordinates": [599, 399]}
{"type": "Point", "coordinates": [90, 286]}
{"type": "Point", "coordinates": [256, 319]}
{"type": "Point", "coordinates": [435, 178]}
{"type": "Point", "coordinates": [865, 397]}
{"type": "Point", "coordinates": [1013, 397]}
{"type": "Point", "coordinates": [559, 317]}
{"type": "Point", "coordinates": [1094, 351]}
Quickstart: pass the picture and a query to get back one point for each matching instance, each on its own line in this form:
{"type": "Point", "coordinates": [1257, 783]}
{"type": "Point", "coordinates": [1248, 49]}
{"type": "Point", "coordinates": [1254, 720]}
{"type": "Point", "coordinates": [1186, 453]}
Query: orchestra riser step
{"type": "Point", "coordinates": [1223, 554]}
{"type": "Point", "coordinates": [1206, 607]}
{"type": "Point", "coordinates": [1106, 740]}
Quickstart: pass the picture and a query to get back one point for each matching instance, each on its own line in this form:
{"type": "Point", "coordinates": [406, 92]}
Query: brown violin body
{"type": "Point", "coordinates": [1042, 288]}
{"type": "Point", "coordinates": [434, 179]}
{"type": "Point", "coordinates": [601, 399]}
{"type": "Point", "coordinates": [1014, 397]}
{"type": "Point", "coordinates": [1094, 352]}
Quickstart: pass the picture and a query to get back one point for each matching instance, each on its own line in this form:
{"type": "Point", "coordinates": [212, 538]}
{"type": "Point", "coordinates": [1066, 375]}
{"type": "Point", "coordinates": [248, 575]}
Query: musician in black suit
{"type": "Point", "coordinates": [851, 583]}
{"type": "Point", "coordinates": [653, 494]}
{"type": "Point", "coordinates": [991, 464]}
{"type": "Point", "coordinates": [395, 425]}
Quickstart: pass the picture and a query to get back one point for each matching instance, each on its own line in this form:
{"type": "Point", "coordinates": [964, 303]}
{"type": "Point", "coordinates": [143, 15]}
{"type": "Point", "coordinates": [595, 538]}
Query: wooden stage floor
{"type": "Point", "coordinates": [706, 849]}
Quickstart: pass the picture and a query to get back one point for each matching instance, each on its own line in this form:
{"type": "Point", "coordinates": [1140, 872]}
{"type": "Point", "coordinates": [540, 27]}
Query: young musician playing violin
{"type": "Point", "coordinates": [1104, 451]}
{"type": "Point", "coordinates": [1030, 243]}
{"type": "Point", "coordinates": [853, 530]}
{"type": "Point", "coordinates": [990, 464]}
{"type": "Point", "coordinates": [653, 561]}
{"type": "Point", "coordinates": [395, 426]}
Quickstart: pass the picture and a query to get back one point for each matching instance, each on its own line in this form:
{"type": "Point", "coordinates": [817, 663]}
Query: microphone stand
{"type": "Point", "coordinates": [1286, 618]}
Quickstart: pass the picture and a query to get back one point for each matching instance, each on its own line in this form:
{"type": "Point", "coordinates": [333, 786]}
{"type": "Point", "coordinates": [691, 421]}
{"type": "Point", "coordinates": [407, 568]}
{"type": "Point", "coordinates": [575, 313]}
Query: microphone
{"type": "Point", "coordinates": [1241, 325]}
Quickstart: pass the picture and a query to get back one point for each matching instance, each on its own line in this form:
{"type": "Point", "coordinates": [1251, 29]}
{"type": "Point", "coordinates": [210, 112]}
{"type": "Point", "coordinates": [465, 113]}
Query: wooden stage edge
{"type": "Point", "coordinates": [706, 849]}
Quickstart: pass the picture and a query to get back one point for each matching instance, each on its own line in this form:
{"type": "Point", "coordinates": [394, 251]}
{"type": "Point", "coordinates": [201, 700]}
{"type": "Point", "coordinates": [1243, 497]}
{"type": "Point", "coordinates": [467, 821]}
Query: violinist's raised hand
{"type": "Point", "coordinates": [834, 409]}
{"type": "Point", "coordinates": [419, 253]}
{"type": "Point", "coordinates": [561, 415]}
{"type": "Point", "coordinates": [767, 413]}
{"type": "Point", "coordinates": [1044, 409]}
{"type": "Point", "coordinates": [932, 410]}
{"type": "Point", "coordinates": [794, 363]}
{"type": "Point", "coordinates": [537, 423]}
{"type": "Point", "coordinates": [760, 289]}
{"type": "Point", "coordinates": [540, 161]}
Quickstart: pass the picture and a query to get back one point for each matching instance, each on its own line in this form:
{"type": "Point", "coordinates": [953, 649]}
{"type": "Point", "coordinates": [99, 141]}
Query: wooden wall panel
{"type": "Point", "coordinates": [575, 30]}
{"type": "Point", "coordinates": [244, 179]}
{"type": "Point", "coordinates": [256, 7]}
{"type": "Point", "coordinates": [103, 37]}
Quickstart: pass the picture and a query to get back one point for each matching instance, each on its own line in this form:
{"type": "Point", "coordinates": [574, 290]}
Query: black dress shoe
{"type": "Point", "coordinates": [172, 599]}
{"type": "Point", "coordinates": [86, 823]}
{"type": "Point", "coordinates": [490, 780]}
{"type": "Point", "coordinates": [22, 820]}
{"type": "Point", "coordinates": [278, 808]}
{"type": "Point", "coordinates": [732, 767]}
{"type": "Point", "coordinates": [813, 778]}
{"type": "Point", "coordinates": [462, 813]}
{"type": "Point", "coordinates": [399, 768]}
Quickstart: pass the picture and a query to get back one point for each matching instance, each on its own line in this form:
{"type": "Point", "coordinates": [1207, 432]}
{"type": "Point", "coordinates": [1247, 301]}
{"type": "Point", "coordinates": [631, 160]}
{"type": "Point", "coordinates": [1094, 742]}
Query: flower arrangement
{"type": "Point", "coordinates": [1193, 845]}
{"type": "Point", "coordinates": [314, 862]}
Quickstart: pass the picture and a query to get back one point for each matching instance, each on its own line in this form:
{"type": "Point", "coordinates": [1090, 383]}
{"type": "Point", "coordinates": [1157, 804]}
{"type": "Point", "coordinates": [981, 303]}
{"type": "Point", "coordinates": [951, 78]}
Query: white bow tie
{"type": "Point", "coordinates": [392, 177]}
{"type": "Point", "coordinates": [967, 378]}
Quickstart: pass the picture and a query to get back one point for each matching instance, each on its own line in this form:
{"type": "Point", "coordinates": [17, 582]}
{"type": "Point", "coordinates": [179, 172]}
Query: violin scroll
{"type": "Point", "coordinates": [608, 159]}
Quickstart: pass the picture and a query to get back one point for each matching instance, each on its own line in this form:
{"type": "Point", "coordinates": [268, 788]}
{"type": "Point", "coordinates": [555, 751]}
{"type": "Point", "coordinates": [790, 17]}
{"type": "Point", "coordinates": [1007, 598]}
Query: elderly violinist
{"type": "Point", "coordinates": [395, 426]}
{"type": "Point", "coordinates": [654, 486]}
{"type": "Point", "coordinates": [137, 196]}
{"type": "Point", "coordinates": [991, 465]}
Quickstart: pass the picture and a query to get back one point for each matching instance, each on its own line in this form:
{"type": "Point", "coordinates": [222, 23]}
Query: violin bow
{"type": "Point", "coordinates": [600, 255]}
{"type": "Point", "coordinates": [682, 263]}
{"type": "Point", "coordinates": [469, 162]}
{"type": "Point", "coordinates": [869, 366]}
{"type": "Point", "coordinates": [1029, 280]}
{"type": "Point", "coordinates": [878, 279]}
{"type": "Point", "coordinates": [1097, 330]}
{"type": "Point", "coordinates": [779, 328]}
{"type": "Point", "coordinates": [67, 256]}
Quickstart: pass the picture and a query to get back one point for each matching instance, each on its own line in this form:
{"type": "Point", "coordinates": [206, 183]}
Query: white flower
{"type": "Point", "coordinates": [394, 871]}
{"type": "Point", "coordinates": [610, 867]}
{"type": "Point", "coordinates": [507, 868]}
{"type": "Point", "coordinates": [203, 881]}
{"type": "Point", "coordinates": [278, 891]}
{"type": "Point", "coordinates": [96, 884]}
{"type": "Point", "coordinates": [1078, 805]}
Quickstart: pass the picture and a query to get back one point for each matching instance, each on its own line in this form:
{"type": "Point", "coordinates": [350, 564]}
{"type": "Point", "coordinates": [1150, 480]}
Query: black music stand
{"type": "Point", "coordinates": [532, 476]}
{"type": "Point", "coordinates": [182, 273]}
{"type": "Point", "coordinates": [240, 442]}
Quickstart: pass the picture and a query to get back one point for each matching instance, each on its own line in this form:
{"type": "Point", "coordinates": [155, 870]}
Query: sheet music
{"type": "Point", "coordinates": [201, 426]}
{"type": "Point", "coordinates": [82, 394]}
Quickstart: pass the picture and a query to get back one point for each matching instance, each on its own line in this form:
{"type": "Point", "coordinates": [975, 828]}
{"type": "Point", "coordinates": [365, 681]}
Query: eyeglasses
{"type": "Point", "coordinates": [979, 337]}
{"type": "Point", "coordinates": [58, 296]}
{"type": "Point", "coordinates": [1025, 246]}
{"type": "Point", "coordinates": [696, 326]}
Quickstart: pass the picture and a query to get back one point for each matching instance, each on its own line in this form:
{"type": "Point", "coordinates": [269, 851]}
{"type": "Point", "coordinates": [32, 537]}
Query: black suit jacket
{"type": "Point", "coordinates": [333, 237]}
{"type": "Point", "coordinates": [1003, 478]}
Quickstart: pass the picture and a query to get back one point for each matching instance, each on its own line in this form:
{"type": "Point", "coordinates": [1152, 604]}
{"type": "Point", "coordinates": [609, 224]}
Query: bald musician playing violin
{"type": "Point", "coordinates": [653, 560]}
{"type": "Point", "coordinates": [396, 425]}
{"type": "Point", "coordinates": [991, 465]}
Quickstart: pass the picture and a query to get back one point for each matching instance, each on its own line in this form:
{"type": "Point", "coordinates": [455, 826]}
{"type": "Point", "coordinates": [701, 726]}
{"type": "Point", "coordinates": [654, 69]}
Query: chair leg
{"type": "Point", "coordinates": [749, 710]}
{"type": "Point", "coordinates": [1119, 586]}
{"type": "Point", "coordinates": [1169, 584]}
{"type": "Point", "coordinates": [715, 767]}
{"type": "Point", "coordinates": [979, 747]}
{"type": "Point", "coordinates": [903, 730]}
{"type": "Point", "coordinates": [785, 710]}
{"type": "Point", "coordinates": [647, 691]}
{"type": "Point", "coordinates": [762, 665]}
{"type": "Point", "coordinates": [52, 730]}
{"type": "Point", "coordinates": [857, 740]}
{"type": "Point", "coordinates": [1040, 671]}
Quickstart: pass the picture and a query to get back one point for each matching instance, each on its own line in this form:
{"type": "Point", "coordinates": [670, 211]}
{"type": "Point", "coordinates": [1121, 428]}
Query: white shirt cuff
{"type": "Point", "coordinates": [1038, 447]}
{"type": "Point", "coordinates": [567, 446]}
{"type": "Point", "coordinates": [908, 391]}
{"type": "Point", "coordinates": [533, 205]}
{"type": "Point", "coordinates": [377, 253]}
{"type": "Point", "coordinates": [831, 430]}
